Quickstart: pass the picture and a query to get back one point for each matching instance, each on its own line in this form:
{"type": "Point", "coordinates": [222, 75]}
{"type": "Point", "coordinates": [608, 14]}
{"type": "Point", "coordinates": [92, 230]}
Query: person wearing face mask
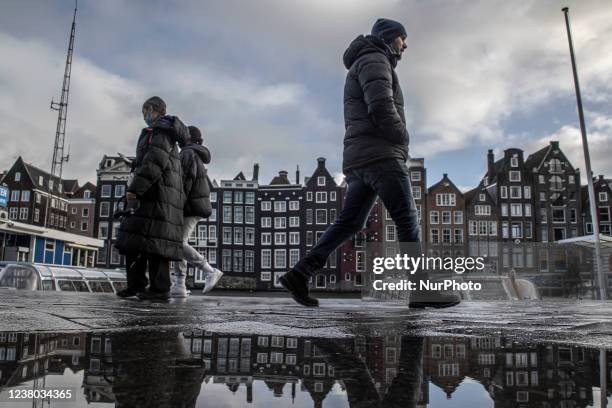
{"type": "Point", "coordinates": [152, 235]}
{"type": "Point", "coordinates": [374, 160]}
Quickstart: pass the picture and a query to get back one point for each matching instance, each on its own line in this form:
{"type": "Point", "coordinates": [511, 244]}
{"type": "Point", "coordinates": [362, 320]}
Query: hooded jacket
{"type": "Point", "coordinates": [156, 227]}
{"type": "Point", "coordinates": [195, 180]}
{"type": "Point", "coordinates": [373, 105]}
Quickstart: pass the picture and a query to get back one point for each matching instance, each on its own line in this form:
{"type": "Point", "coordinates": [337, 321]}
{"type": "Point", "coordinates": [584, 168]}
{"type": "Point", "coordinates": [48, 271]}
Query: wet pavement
{"type": "Point", "coordinates": [219, 351]}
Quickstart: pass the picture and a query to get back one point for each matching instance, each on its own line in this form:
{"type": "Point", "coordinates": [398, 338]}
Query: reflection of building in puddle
{"type": "Point", "coordinates": [30, 357]}
{"type": "Point", "coordinates": [98, 376]}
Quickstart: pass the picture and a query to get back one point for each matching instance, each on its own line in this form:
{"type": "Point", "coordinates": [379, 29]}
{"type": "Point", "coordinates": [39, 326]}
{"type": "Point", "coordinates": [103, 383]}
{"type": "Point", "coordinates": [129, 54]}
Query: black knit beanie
{"type": "Point", "coordinates": [388, 30]}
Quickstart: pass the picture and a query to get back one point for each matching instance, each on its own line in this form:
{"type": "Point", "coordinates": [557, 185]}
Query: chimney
{"type": "Point", "coordinates": [256, 172]}
{"type": "Point", "coordinates": [445, 175]}
{"type": "Point", "coordinates": [490, 162]}
{"type": "Point", "coordinates": [555, 144]}
{"type": "Point", "coordinates": [297, 174]}
{"type": "Point", "coordinates": [321, 162]}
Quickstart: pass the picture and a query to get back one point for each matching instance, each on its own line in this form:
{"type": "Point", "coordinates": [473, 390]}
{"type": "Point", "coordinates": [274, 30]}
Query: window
{"type": "Point", "coordinates": [266, 222]}
{"type": "Point", "coordinates": [515, 192]}
{"type": "Point", "coordinates": [415, 175]}
{"type": "Point", "coordinates": [17, 176]}
{"type": "Point", "coordinates": [280, 258]}
{"type": "Point", "coordinates": [321, 181]}
{"type": "Point", "coordinates": [332, 196]}
{"type": "Point", "coordinates": [434, 217]}
{"type": "Point", "coordinates": [573, 215]}
{"type": "Point", "coordinates": [36, 215]}
{"type": "Point", "coordinates": [25, 196]}
{"type": "Point", "coordinates": [85, 212]}
{"type": "Point", "coordinates": [321, 197]}
{"type": "Point", "coordinates": [227, 214]}
{"type": "Point", "coordinates": [105, 190]}
{"type": "Point", "coordinates": [515, 176]}
{"type": "Point", "coordinates": [280, 206]}
{"type": "Point", "coordinates": [484, 210]}
{"type": "Point", "coordinates": [84, 226]}
{"type": "Point", "coordinates": [266, 206]}
{"type": "Point", "coordinates": [227, 197]}
{"type": "Point", "coordinates": [266, 258]}
{"type": "Point", "coordinates": [321, 217]}
{"type": "Point", "coordinates": [249, 216]}
{"type": "Point", "coordinates": [294, 238]}
{"type": "Point", "coordinates": [119, 190]}
{"type": "Point", "coordinates": [555, 166]}
{"type": "Point", "coordinates": [213, 196]}
{"type": "Point", "coordinates": [102, 231]}
{"type": "Point", "coordinates": [504, 192]}
{"type": "Point", "coordinates": [294, 257]}
{"type": "Point", "coordinates": [15, 195]}
{"type": "Point", "coordinates": [226, 260]}
{"type": "Point", "coordinates": [556, 183]}
{"type": "Point", "coordinates": [604, 214]}
{"type": "Point", "coordinates": [115, 229]}
{"type": "Point", "coordinates": [505, 230]}
{"type": "Point", "coordinates": [390, 235]}
{"type": "Point", "coordinates": [294, 221]}
{"type": "Point", "coordinates": [445, 199]}
{"type": "Point", "coordinates": [517, 230]}
{"type": "Point", "coordinates": [294, 205]}
{"type": "Point", "coordinates": [527, 192]}
{"type": "Point", "coordinates": [527, 210]}
{"type": "Point", "coordinates": [435, 236]}
{"type": "Point", "coordinates": [516, 210]}
{"type": "Point", "coordinates": [249, 197]}
{"type": "Point", "coordinates": [280, 238]}
{"type": "Point", "coordinates": [249, 236]}
{"type": "Point", "coordinates": [23, 213]}
{"type": "Point", "coordinates": [104, 209]}
{"type": "Point", "coordinates": [266, 276]}
{"type": "Point", "coordinates": [309, 238]}
{"type": "Point", "coordinates": [238, 235]}
{"type": "Point", "coordinates": [238, 215]}
{"type": "Point", "coordinates": [416, 192]}
{"type": "Point", "coordinates": [458, 217]}
{"type": "Point", "coordinates": [446, 236]}
{"type": "Point", "coordinates": [504, 210]}
{"type": "Point", "coordinates": [558, 214]}
{"type": "Point", "coordinates": [473, 227]}
{"type": "Point", "coordinates": [280, 222]}
{"type": "Point", "coordinates": [309, 196]}
{"type": "Point", "coordinates": [266, 238]}
{"type": "Point", "coordinates": [238, 197]}
{"type": "Point", "coordinates": [603, 196]}
{"type": "Point", "coordinates": [227, 235]}
{"type": "Point", "coordinates": [309, 216]}
{"type": "Point", "coordinates": [446, 217]}
{"type": "Point", "coordinates": [237, 261]}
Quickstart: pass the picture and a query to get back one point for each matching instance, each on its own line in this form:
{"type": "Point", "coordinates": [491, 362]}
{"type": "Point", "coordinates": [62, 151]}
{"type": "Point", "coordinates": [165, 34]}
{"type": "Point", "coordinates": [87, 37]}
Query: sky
{"type": "Point", "coordinates": [264, 79]}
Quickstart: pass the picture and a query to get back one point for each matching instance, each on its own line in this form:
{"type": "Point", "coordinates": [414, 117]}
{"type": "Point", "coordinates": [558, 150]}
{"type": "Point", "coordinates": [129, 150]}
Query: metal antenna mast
{"type": "Point", "coordinates": [62, 111]}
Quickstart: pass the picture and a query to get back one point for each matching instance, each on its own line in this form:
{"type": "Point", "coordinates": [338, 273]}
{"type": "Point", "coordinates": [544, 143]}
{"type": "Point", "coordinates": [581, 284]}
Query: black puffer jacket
{"type": "Point", "coordinates": [157, 225]}
{"type": "Point", "coordinates": [197, 190]}
{"type": "Point", "coordinates": [373, 105]}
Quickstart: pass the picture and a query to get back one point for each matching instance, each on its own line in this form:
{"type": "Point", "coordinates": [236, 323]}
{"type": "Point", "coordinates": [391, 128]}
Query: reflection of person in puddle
{"type": "Point", "coordinates": [153, 370]}
{"type": "Point", "coordinates": [353, 371]}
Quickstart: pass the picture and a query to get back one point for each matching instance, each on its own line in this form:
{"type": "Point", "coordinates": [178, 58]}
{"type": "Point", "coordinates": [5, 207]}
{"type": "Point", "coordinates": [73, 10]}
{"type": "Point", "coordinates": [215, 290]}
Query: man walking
{"type": "Point", "coordinates": [197, 191]}
{"type": "Point", "coordinates": [153, 235]}
{"type": "Point", "coordinates": [374, 158]}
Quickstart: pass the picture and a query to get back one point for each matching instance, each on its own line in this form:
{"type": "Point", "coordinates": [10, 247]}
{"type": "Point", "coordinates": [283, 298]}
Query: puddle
{"type": "Point", "coordinates": [217, 369]}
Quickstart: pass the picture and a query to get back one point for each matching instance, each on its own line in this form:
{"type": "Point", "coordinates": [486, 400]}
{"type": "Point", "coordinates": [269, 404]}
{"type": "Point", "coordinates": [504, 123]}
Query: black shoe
{"type": "Point", "coordinates": [297, 285]}
{"type": "Point", "coordinates": [433, 298]}
{"type": "Point", "coordinates": [129, 292]}
{"type": "Point", "coordinates": [149, 295]}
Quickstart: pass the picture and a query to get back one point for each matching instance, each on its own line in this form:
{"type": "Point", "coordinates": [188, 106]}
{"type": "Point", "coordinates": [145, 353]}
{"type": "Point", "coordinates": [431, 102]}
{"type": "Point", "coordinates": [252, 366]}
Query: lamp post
{"type": "Point", "coordinates": [587, 162]}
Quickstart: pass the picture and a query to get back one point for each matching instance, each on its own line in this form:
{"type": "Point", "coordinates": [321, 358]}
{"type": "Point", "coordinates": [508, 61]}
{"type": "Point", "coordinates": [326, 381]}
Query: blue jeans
{"type": "Point", "coordinates": [388, 179]}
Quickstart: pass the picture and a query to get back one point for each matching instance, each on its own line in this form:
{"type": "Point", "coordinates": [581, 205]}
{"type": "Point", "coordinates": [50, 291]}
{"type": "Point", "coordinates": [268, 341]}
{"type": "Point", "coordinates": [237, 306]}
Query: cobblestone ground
{"type": "Point", "coordinates": [571, 322]}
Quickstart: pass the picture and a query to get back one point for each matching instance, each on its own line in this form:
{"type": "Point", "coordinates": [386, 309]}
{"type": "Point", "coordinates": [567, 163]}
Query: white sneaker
{"type": "Point", "coordinates": [178, 289]}
{"type": "Point", "coordinates": [211, 280]}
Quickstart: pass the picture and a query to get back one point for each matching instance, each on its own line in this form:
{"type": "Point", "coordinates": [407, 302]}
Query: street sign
{"type": "Point", "coordinates": [4, 193]}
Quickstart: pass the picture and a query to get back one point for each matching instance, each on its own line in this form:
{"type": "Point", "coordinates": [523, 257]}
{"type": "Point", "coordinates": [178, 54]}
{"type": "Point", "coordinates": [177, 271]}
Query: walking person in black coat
{"type": "Point", "coordinates": [153, 235]}
{"type": "Point", "coordinates": [374, 159]}
{"type": "Point", "coordinates": [197, 206]}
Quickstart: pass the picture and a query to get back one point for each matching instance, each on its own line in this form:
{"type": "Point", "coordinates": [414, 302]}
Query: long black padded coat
{"type": "Point", "coordinates": [197, 190]}
{"type": "Point", "coordinates": [373, 105]}
{"type": "Point", "coordinates": [157, 225]}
